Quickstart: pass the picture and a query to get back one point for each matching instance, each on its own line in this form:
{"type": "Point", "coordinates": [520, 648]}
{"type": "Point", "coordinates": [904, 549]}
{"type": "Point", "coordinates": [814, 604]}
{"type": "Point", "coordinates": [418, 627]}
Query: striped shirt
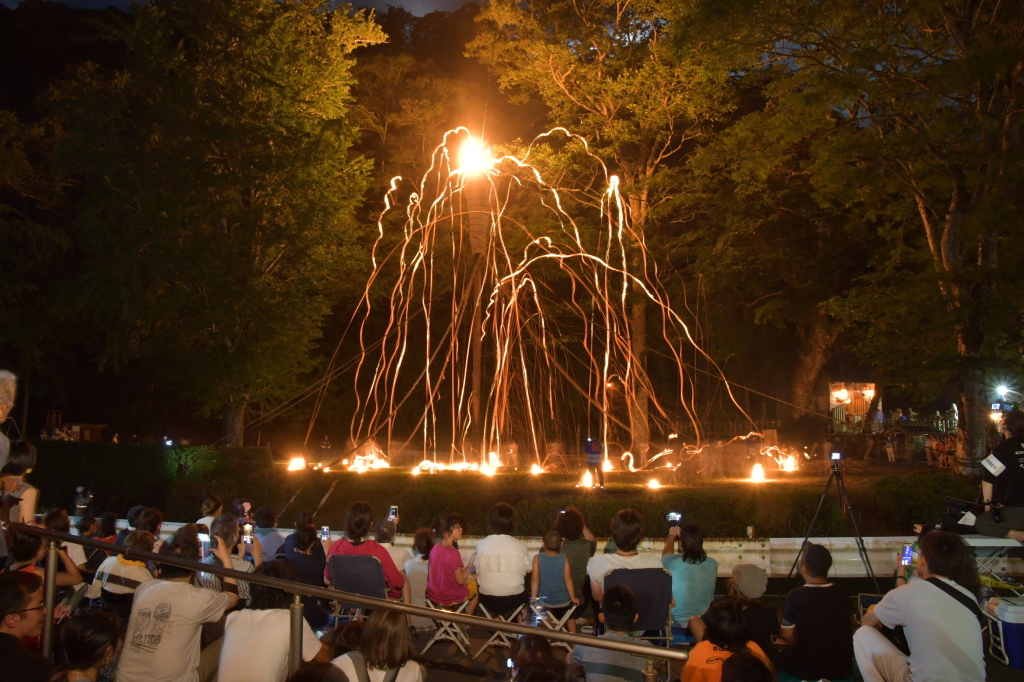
{"type": "Point", "coordinates": [605, 665]}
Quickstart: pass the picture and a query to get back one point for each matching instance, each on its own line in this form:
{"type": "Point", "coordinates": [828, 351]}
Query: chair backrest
{"type": "Point", "coordinates": [357, 574]}
{"type": "Point", "coordinates": [653, 590]}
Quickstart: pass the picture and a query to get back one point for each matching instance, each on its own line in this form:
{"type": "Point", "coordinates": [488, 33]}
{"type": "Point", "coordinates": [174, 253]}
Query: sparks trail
{"type": "Point", "coordinates": [493, 358]}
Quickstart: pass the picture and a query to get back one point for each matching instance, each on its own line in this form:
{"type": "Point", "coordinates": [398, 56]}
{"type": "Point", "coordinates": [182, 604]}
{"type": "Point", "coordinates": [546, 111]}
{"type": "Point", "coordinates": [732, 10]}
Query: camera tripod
{"type": "Point", "coordinates": [844, 499]}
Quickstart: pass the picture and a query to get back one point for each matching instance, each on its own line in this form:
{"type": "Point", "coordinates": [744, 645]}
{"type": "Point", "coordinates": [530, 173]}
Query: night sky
{"type": "Point", "coordinates": [417, 7]}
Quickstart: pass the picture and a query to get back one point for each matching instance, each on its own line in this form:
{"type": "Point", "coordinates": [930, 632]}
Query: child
{"type": "Point", "coordinates": [618, 613]}
{"type": "Point", "coordinates": [448, 583]}
{"type": "Point", "coordinates": [725, 635]}
{"type": "Point", "coordinates": [552, 580]}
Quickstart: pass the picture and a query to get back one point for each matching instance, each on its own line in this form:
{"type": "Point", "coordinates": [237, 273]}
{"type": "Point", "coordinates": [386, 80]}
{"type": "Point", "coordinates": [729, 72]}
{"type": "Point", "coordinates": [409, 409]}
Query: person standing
{"type": "Point", "coordinates": [595, 462]}
{"type": "Point", "coordinates": [20, 462]}
{"type": "Point", "coordinates": [940, 618]}
{"type": "Point", "coordinates": [1005, 489]}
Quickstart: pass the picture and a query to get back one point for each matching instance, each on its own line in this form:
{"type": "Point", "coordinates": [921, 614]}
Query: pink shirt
{"type": "Point", "coordinates": [393, 578]}
{"type": "Point", "coordinates": [442, 587]}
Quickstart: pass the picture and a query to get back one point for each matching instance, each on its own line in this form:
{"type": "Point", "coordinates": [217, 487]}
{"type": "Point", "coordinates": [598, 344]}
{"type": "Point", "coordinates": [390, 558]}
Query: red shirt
{"type": "Point", "coordinates": [393, 578]}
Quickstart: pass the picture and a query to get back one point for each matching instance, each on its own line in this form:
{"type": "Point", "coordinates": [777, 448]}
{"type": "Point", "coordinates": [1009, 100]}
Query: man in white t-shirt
{"type": "Point", "coordinates": [627, 531]}
{"type": "Point", "coordinates": [163, 639]}
{"type": "Point", "coordinates": [943, 631]}
{"type": "Point", "coordinates": [502, 563]}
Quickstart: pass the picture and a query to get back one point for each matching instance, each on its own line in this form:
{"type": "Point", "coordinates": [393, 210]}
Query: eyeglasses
{"type": "Point", "coordinates": [41, 607]}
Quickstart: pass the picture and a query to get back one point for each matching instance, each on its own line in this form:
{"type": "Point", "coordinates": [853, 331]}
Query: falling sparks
{"type": "Point", "coordinates": [536, 469]}
{"type": "Point", "coordinates": [587, 481]}
{"type": "Point", "coordinates": [607, 466]}
{"type": "Point", "coordinates": [363, 463]}
{"type": "Point", "coordinates": [296, 464]}
{"type": "Point", "coordinates": [789, 464]}
{"type": "Point", "coordinates": [757, 474]}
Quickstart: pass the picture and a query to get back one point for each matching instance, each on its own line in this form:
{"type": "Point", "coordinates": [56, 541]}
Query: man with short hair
{"type": "Point", "coordinates": [22, 612]}
{"type": "Point", "coordinates": [939, 616]}
{"type": "Point", "coordinates": [133, 524]}
{"type": "Point", "coordinates": [618, 613]}
{"type": "Point", "coordinates": [271, 539]}
{"type": "Point", "coordinates": [627, 528]}
{"type": "Point", "coordinates": [225, 527]}
{"type": "Point", "coordinates": [818, 623]}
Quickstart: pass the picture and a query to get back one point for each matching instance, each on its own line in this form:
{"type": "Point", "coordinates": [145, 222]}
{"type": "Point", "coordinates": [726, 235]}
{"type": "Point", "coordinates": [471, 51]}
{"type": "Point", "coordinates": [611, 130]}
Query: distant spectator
{"type": "Point", "coordinates": [693, 572]}
{"type": "Point", "coordinates": [449, 583]}
{"type": "Point", "coordinates": [304, 518]}
{"type": "Point", "coordinates": [118, 577]}
{"type": "Point", "coordinates": [385, 644]}
{"type": "Point", "coordinates": [627, 531]}
{"type": "Point", "coordinates": [58, 521]}
{"type": "Point", "coordinates": [8, 391]}
{"type": "Point", "coordinates": [108, 528]}
{"type": "Point", "coordinates": [225, 528]}
{"type": "Point", "coordinates": [266, 530]}
{"type": "Point", "coordinates": [816, 620]}
{"type": "Point", "coordinates": [939, 615]}
{"type": "Point", "coordinates": [318, 672]}
{"type": "Point", "coordinates": [152, 521]}
{"type": "Point", "coordinates": [167, 617]}
{"type": "Point", "coordinates": [1006, 489]}
{"type": "Point", "coordinates": [724, 635]}
{"type": "Point", "coordinates": [83, 501]}
{"type": "Point", "coordinates": [578, 545]}
{"type": "Point", "coordinates": [502, 563]}
{"type": "Point", "coordinates": [213, 506]}
{"type": "Point", "coordinates": [242, 508]}
{"type": "Point", "coordinates": [116, 439]}
{"type": "Point", "coordinates": [87, 527]}
{"type": "Point", "coordinates": [256, 639]}
{"type": "Point", "coordinates": [551, 579]}
{"type": "Point", "coordinates": [744, 588]}
{"type": "Point", "coordinates": [385, 535]}
{"type": "Point", "coordinates": [618, 613]}
{"type": "Point", "coordinates": [22, 495]}
{"type": "Point", "coordinates": [416, 573]}
{"type": "Point", "coordinates": [89, 642]}
{"type": "Point", "coordinates": [43, 434]}
{"type": "Point", "coordinates": [27, 551]}
{"type": "Point", "coordinates": [309, 569]}
{"type": "Point", "coordinates": [134, 514]}
{"type": "Point", "coordinates": [358, 523]}
{"type": "Point", "coordinates": [22, 613]}
{"type": "Point", "coordinates": [744, 666]}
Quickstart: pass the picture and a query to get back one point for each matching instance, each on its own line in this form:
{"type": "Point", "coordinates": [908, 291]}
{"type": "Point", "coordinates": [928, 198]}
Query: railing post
{"type": "Point", "coordinates": [49, 596]}
{"type": "Point", "coordinates": [295, 650]}
{"type": "Point", "coordinates": [650, 673]}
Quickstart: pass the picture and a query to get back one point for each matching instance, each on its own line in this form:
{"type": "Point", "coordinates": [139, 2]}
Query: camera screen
{"type": "Point", "coordinates": [325, 533]}
{"type": "Point", "coordinates": [907, 555]}
{"type": "Point", "coordinates": [836, 456]}
{"type": "Point", "coordinates": [674, 516]}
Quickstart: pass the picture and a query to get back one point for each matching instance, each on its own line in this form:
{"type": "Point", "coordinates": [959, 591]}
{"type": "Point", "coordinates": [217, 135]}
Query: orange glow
{"type": "Point", "coordinates": [536, 469]}
{"type": "Point", "coordinates": [296, 464]}
{"type": "Point", "coordinates": [653, 484]}
{"type": "Point", "coordinates": [757, 474]}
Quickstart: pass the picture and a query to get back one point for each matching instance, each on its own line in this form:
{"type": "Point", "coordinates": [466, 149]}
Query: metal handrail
{"type": "Point", "coordinates": [650, 653]}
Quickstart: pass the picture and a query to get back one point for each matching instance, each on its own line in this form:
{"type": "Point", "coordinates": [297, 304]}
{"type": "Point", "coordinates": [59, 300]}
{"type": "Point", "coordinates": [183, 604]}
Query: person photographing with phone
{"type": "Point", "coordinates": [1002, 483]}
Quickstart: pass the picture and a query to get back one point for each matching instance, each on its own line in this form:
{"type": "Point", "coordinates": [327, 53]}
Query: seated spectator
{"type": "Point", "coordinates": [309, 569]}
{"type": "Point", "coordinates": [745, 587]}
{"type": "Point", "coordinates": [502, 563]}
{"type": "Point", "coordinates": [551, 579]}
{"type": "Point", "coordinates": [256, 639]}
{"type": "Point", "coordinates": [385, 645]}
{"type": "Point", "coordinates": [385, 535]}
{"type": "Point", "coordinates": [939, 615]}
{"type": "Point", "coordinates": [87, 527]}
{"type": "Point", "coordinates": [358, 523]}
{"type": "Point", "coordinates": [448, 583]}
{"type": "Point", "coordinates": [627, 531]}
{"type": "Point", "coordinates": [58, 521]}
{"type": "Point", "coordinates": [225, 528]}
{"type": "Point", "coordinates": [724, 635]}
{"type": "Point", "coordinates": [118, 576]}
{"type": "Point", "coordinates": [618, 613]}
{"type": "Point", "coordinates": [744, 666]}
{"type": "Point", "coordinates": [693, 573]}
{"type": "Point", "coordinates": [1006, 489]}
{"type": "Point", "coordinates": [242, 508]}
{"type": "Point", "coordinates": [28, 551]}
{"type": "Point", "coordinates": [213, 506]}
{"type": "Point", "coordinates": [167, 618]}
{"type": "Point", "coordinates": [531, 651]}
{"type": "Point", "coordinates": [266, 530]}
{"type": "Point", "coordinates": [416, 573]}
{"type": "Point", "coordinates": [133, 524]}
{"type": "Point", "coordinates": [817, 622]}
{"type": "Point", "coordinates": [318, 672]}
{"type": "Point", "coordinates": [88, 643]}
{"type": "Point", "coordinates": [152, 521]}
{"type": "Point", "coordinates": [578, 545]}
{"type": "Point", "coordinates": [344, 637]}
{"type": "Point", "coordinates": [24, 497]}
{"type": "Point", "coordinates": [22, 612]}
{"type": "Point", "coordinates": [304, 518]}
{"type": "Point", "coordinates": [108, 528]}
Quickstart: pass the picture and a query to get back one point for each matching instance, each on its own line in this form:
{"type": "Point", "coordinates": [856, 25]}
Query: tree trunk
{"type": "Point", "coordinates": [638, 404]}
{"type": "Point", "coordinates": [816, 339]}
{"type": "Point", "coordinates": [971, 447]}
{"type": "Point", "coordinates": [234, 424]}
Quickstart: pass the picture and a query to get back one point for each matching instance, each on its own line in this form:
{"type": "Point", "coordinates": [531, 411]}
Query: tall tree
{"type": "Point", "coordinates": [605, 69]}
{"type": "Point", "coordinates": [218, 190]}
{"type": "Point", "coordinates": [927, 93]}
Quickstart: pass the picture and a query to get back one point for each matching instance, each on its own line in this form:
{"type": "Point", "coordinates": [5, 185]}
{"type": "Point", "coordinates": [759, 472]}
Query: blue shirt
{"type": "Point", "coordinates": [693, 586]}
{"type": "Point", "coordinates": [551, 585]}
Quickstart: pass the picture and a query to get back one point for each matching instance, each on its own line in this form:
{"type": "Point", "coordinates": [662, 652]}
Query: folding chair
{"type": "Point", "coordinates": [653, 590]}
{"type": "Point", "coordinates": [447, 631]}
{"type": "Point", "coordinates": [498, 638]}
{"type": "Point", "coordinates": [542, 614]}
{"type": "Point", "coordinates": [864, 602]}
{"type": "Point", "coordinates": [362, 575]}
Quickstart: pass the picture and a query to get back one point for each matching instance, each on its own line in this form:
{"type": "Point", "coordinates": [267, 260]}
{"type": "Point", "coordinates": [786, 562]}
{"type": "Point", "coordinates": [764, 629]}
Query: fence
{"type": "Point", "coordinates": [298, 590]}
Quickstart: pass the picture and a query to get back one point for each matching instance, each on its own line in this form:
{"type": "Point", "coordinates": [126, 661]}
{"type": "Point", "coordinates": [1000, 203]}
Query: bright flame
{"type": "Point", "coordinates": [673, 435]}
{"type": "Point", "coordinates": [296, 464]}
{"type": "Point", "coordinates": [996, 416]}
{"type": "Point", "coordinates": [653, 484]}
{"type": "Point", "coordinates": [842, 395]}
{"type": "Point", "coordinates": [474, 156]}
{"type": "Point", "coordinates": [607, 466]}
{"type": "Point", "coordinates": [364, 463]}
{"type": "Point", "coordinates": [587, 481]}
{"type": "Point", "coordinates": [869, 393]}
{"type": "Point", "coordinates": [789, 464]}
{"type": "Point", "coordinates": [488, 468]}
{"type": "Point", "coordinates": [536, 469]}
{"type": "Point", "coordinates": [757, 474]}
{"type": "Point", "coordinates": [327, 470]}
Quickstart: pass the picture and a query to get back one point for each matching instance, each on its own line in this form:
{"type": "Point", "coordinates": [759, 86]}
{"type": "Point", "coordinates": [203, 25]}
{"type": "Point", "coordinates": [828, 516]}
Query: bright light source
{"type": "Point", "coordinates": [327, 470]}
{"type": "Point", "coordinates": [653, 484]}
{"type": "Point", "coordinates": [168, 442]}
{"type": "Point", "coordinates": [1002, 391]}
{"type": "Point", "coordinates": [869, 393]}
{"type": "Point", "coordinates": [842, 395]}
{"type": "Point", "coordinates": [996, 417]}
{"type": "Point", "coordinates": [757, 474]}
{"type": "Point", "coordinates": [607, 466]}
{"type": "Point", "coordinates": [609, 385]}
{"type": "Point", "coordinates": [536, 469]}
{"type": "Point", "coordinates": [673, 435]}
{"type": "Point", "coordinates": [789, 464]}
{"type": "Point", "coordinates": [296, 464]}
{"type": "Point", "coordinates": [587, 481]}
{"type": "Point", "coordinates": [474, 156]}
